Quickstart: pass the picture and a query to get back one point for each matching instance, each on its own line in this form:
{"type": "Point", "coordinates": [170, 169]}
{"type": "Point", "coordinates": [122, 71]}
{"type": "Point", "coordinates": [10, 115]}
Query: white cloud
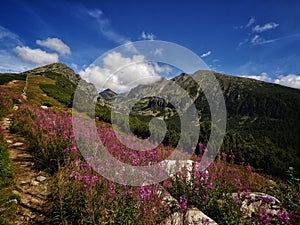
{"type": "Point", "coordinates": [157, 51]}
{"type": "Point", "coordinates": [258, 40]}
{"type": "Point", "coordinates": [36, 56]}
{"type": "Point", "coordinates": [290, 80]}
{"type": "Point", "coordinates": [56, 45]}
{"type": "Point", "coordinates": [105, 28]}
{"type": "Point", "coordinates": [95, 13]}
{"type": "Point", "coordinates": [10, 63]}
{"type": "Point", "coordinates": [267, 26]}
{"type": "Point", "coordinates": [251, 21]}
{"type": "Point", "coordinates": [262, 77]}
{"type": "Point", "coordinates": [8, 39]}
{"type": "Point", "coordinates": [147, 36]}
{"type": "Point", "coordinates": [121, 73]}
{"type": "Point", "coordinates": [205, 54]}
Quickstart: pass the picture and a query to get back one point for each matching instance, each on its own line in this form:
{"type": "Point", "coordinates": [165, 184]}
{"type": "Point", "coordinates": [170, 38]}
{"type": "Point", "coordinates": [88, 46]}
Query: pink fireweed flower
{"type": "Point", "coordinates": [297, 195]}
{"type": "Point", "coordinates": [182, 203]}
{"type": "Point", "coordinates": [249, 169]}
{"type": "Point", "coordinates": [111, 188]}
{"type": "Point", "coordinates": [263, 216]}
{"type": "Point", "coordinates": [283, 216]}
{"type": "Point", "coordinates": [86, 179]}
{"type": "Point", "coordinates": [76, 176]}
{"type": "Point", "coordinates": [224, 155]}
{"type": "Point", "coordinates": [238, 183]}
{"type": "Point", "coordinates": [205, 221]}
{"type": "Point", "coordinates": [267, 200]}
{"type": "Point", "coordinates": [145, 193]}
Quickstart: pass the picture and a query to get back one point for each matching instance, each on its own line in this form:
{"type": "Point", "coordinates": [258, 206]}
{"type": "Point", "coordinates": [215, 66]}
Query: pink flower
{"type": "Point", "coordinates": [182, 203]}
{"type": "Point", "coordinates": [145, 193]}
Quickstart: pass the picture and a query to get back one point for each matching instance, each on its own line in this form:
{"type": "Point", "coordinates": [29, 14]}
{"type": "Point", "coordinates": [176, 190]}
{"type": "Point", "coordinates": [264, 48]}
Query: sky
{"type": "Point", "coordinates": [256, 39]}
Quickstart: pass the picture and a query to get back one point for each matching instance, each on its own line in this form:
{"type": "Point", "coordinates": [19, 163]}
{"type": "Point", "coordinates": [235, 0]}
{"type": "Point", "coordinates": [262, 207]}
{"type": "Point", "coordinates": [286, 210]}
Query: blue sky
{"type": "Point", "coordinates": [258, 39]}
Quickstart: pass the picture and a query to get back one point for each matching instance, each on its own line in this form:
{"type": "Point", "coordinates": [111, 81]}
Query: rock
{"type": "Point", "coordinates": [17, 144]}
{"type": "Point", "coordinates": [15, 201]}
{"type": "Point", "coordinates": [253, 202]}
{"type": "Point", "coordinates": [23, 182]}
{"type": "Point", "coordinates": [15, 107]}
{"type": "Point", "coordinates": [44, 107]}
{"type": "Point", "coordinates": [34, 183]}
{"type": "Point", "coordinates": [193, 216]}
{"type": "Point", "coordinates": [41, 178]}
{"type": "Point", "coordinates": [15, 192]}
{"type": "Point", "coordinates": [175, 219]}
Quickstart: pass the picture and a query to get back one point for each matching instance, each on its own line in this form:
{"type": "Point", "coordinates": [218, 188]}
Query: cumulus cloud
{"type": "Point", "coordinates": [56, 45]}
{"type": "Point", "coordinates": [147, 36]}
{"type": "Point", "coordinates": [262, 77]}
{"type": "Point", "coordinates": [290, 80]}
{"type": "Point", "coordinates": [205, 54]}
{"type": "Point", "coordinates": [36, 56]}
{"type": "Point", "coordinates": [121, 73]}
{"type": "Point", "coordinates": [265, 27]}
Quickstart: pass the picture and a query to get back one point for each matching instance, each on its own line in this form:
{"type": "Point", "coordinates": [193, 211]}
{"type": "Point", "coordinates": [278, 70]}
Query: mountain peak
{"type": "Point", "coordinates": [108, 94]}
{"type": "Point", "coordinates": [58, 68]}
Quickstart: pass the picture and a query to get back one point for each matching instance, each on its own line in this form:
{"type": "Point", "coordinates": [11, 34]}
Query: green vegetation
{"type": "Point", "coordinates": [8, 202]}
{"type": "Point", "coordinates": [6, 78]}
{"type": "Point", "coordinates": [62, 90]}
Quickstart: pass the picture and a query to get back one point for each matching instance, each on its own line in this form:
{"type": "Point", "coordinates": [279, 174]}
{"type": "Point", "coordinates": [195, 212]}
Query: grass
{"type": "Point", "coordinates": [8, 202]}
{"type": "Point", "coordinates": [35, 94]}
{"type": "Point", "coordinates": [62, 90]}
{"type": "Point", "coordinates": [6, 78]}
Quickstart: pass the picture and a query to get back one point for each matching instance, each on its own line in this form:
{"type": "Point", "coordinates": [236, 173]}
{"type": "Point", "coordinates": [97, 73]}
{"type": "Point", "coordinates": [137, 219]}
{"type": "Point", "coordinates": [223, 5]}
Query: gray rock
{"type": "Point", "coordinates": [34, 183]}
{"type": "Point", "coordinates": [17, 144]}
{"type": "Point", "coordinates": [193, 216]}
{"type": "Point", "coordinates": [253, 202]}
{"type": "Point", "coordinates": [175, 219]}
{"type": "Point", "coordinates": [41, 178]}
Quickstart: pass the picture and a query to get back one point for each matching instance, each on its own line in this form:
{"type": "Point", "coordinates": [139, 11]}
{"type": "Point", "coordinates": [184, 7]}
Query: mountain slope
{"type": "Point", "coordinates": [263, 123]}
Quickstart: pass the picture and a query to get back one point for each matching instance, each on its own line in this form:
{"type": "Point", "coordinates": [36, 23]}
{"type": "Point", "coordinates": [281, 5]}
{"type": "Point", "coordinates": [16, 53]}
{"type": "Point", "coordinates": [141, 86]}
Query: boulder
{"type": "Point", "coordinates": [253, 202]}
{"type": "Point", "coordinates": [193, 216]}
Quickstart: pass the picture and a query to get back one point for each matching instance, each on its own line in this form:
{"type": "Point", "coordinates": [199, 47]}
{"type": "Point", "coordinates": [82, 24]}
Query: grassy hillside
{"type": "Point", "coordinates": [6, 77]}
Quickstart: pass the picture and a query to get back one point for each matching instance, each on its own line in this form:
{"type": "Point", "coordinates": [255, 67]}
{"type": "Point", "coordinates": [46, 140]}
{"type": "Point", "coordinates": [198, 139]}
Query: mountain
{"type": "Point", "coordinates": [263, 121]}
{"type": "Point", "coordinates": [108, 94]}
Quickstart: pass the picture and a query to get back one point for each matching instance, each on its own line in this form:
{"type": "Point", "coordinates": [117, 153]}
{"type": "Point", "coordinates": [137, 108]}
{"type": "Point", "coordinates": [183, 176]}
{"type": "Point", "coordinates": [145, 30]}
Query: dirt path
{"type": "Point", "coordinates": [31, 185]}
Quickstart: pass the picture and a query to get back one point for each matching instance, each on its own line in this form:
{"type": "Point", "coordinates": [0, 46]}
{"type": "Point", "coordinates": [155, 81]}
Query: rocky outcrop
{"type": "Point", "coordinates": [253, 203]}
{"type": "Point", "coordinates": [193, 216]}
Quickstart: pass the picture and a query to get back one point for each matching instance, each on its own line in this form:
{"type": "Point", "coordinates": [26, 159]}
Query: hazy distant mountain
{"type": "Point", "coordinates": [108, 94]}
